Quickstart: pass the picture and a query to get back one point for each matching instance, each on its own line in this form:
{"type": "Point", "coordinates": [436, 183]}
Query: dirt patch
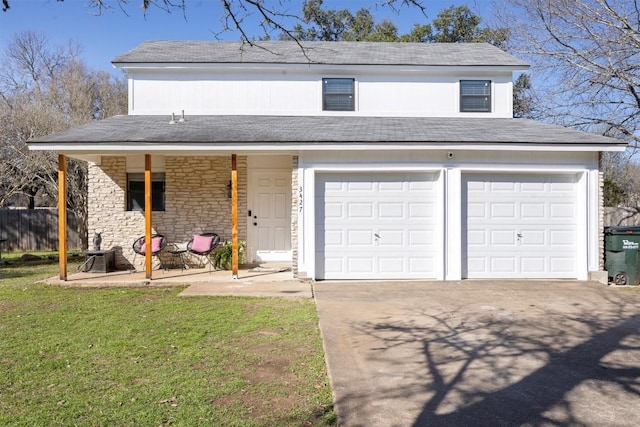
{"type": "Point", "coordinates": [5, 306]}
{"type": "Point", "coordinates": [273, 365]}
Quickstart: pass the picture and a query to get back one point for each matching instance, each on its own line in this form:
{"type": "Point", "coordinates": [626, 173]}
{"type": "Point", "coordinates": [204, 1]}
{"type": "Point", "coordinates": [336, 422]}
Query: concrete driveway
{"type": "Point", "coordinates": [475, 353]}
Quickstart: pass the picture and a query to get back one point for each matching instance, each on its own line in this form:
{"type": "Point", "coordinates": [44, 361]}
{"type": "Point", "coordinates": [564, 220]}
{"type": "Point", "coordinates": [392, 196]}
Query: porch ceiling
{"type": "Point", "coordinates": [286, 133]}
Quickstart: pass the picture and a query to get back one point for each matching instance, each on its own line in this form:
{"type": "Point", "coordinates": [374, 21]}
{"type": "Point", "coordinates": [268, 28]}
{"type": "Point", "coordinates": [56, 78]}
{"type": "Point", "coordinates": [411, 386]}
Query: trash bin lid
{"type": "Point", "coordinates": [631, 229]}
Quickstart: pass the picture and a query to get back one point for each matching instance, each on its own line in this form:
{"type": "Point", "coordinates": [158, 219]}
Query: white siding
{"type": "Point", "coordinates": [300, 93]}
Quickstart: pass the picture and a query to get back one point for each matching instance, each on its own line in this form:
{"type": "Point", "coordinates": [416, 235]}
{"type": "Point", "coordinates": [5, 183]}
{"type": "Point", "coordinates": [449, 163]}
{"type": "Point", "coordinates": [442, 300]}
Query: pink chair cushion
{"type": "Point", "coordinates": [156, 243]}
{"type": "Point", "coordinates": [201, 243]}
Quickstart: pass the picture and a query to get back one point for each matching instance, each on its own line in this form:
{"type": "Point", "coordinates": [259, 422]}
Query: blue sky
{"type": "Point", "coordinates": [116, 31]}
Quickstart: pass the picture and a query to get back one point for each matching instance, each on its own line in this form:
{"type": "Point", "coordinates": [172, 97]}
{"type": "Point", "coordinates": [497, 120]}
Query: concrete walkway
{"type": "Point", "coordinates": [482, 353]}
{"type": "Point", "coordinates": [260, 281]}
{"type": "Point", "coordinates": [251, 288]}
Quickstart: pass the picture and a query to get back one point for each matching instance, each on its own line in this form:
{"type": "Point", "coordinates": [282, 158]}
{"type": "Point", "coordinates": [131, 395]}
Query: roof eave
{"type": "Point", "coordinates": [109, 148]}
{"type": "Point", "coordinates": [307, 65]}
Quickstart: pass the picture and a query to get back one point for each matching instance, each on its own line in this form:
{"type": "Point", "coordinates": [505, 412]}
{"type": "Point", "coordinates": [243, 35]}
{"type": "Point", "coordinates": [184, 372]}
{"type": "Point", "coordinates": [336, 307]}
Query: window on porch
{"type": "Point", "coordinates": [135, 191]}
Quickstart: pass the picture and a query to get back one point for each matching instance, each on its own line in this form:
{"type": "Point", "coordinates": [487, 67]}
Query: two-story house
{"type": "Point", "coordinates": [353, 161]}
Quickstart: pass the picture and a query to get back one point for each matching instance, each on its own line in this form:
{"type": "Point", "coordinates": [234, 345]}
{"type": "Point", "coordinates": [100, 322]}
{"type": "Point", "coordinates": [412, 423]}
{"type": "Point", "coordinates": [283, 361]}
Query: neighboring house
{"type": "Point", "coordinates": [354, 161]}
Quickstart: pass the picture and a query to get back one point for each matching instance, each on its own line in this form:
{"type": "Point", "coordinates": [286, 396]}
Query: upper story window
{"type": "Point", "coordinates": [475, 96]}
{"type": "Point", "coordinates": [338, 94]}
{"type": "Point", "coordinates": [135, 191]}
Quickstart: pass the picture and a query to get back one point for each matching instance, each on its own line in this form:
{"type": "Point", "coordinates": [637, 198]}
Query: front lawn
{"type": "Point", "coordinates": [145, 357]}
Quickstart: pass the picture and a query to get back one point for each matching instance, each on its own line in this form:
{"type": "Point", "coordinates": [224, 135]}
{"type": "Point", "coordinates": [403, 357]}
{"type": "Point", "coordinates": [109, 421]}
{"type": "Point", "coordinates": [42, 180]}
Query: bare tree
{"type": "Point", "coordinates": [586, 59]}
{"type": "Point", "coordinates": [45, 90]}
{"type": "Point", "coordinates": [273, 17]}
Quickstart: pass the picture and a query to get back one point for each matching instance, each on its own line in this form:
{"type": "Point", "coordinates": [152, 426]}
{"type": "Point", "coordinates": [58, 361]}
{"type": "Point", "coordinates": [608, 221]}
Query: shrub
{"type": "Point", "coordinates": [222, 256]}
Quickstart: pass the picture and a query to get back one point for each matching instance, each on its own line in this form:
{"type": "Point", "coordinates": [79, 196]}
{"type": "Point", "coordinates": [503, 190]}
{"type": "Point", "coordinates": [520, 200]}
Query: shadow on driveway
{"type": "Point", "coordinates": [482, 353]}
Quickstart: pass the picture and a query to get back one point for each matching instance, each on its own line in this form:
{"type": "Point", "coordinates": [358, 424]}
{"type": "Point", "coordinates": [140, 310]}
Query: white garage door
{"type": "Point", "coordinates": [519, 226]}
{"type": "Point", "coordinates": [378, 226]}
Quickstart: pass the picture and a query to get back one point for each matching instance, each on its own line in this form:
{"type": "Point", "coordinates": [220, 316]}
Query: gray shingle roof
{"type": "Point", "coordinates": [333, 53]}
{"type": "Point", "coordinates": [287, 131]}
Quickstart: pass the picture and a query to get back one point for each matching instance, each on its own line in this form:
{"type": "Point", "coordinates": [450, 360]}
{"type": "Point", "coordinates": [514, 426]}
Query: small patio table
{"type": "Point", "coordinates": [178, 254]}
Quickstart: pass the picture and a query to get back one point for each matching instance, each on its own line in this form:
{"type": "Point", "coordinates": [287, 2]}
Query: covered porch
{"type": "Point", "coordinates": [241, 198]}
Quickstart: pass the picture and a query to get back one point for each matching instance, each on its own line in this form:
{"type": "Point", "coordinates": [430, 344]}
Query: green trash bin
{"type": "Point", "coordinates": [622, 254]}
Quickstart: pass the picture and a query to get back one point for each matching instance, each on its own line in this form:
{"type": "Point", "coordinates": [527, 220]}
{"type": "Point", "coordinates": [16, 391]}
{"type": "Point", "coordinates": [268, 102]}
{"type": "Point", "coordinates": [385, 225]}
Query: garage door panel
{"type": "Point", "coordinates": [477, 186]}
{"type": "Point", "coordinates": [360, 187]}
{"type": "Point", "coordinates": [359, 238]}
{"type": "Point", "coordinates": [533, 238]}
{"type": "Point", "coordinates": [502, 264]}
{"type": "Point", "coordinates": [424, 266]}
{"type": "Point", "coordinates": [533, 265]}
{"type": "Point", "coordinates": [422, 186]}
{"type": "Point", "coordinates": [360, 210]}
{"type": "Point", "coordinates": [563, 237]}
{"type": "Point", "coordinates": [478, 264]}
{"type": "Point", "coordinates": [380, 226]}
{"type": "Point", "coordinates": [332, 188]}
{"type": "Point", "coordinates": [392, 238]}
{"type": "Point", "coordinates": [502, 237]}
{"type": "Point", "coordinates": [561, 210]}
{"type": "Point", "coordinates": [520, 226]}
{"type": "Point", "coordinates": [477, 238]}
{"type": "Point", "coordinates": [503, 210]}
{"type": "Point", "coordinates": [388, 210]}
{"type": "Point", "coordinates": [477, 210]}
{"type": "Point", "coordinates": [562, 264]}
{"type": "Point", "coordinates": [362, 264]}
{"type": "Point", "coordinates": [395, 265]}
{"type": "Point", "coordinates": [334, 265]}
{"type": "Point", "coordinates": [535, 211]}
{"type": "Point", "coordinates": [499, 186]}
{"type": "Point", "coordinates": [333, 210]}
{"type": "Point", "coordinates": [531, 187]}
{"type": "Point", "coordinates": [390, 187]}
{"type": "Point", "coordinates": [564, 185]}
{"type": "Point", "coordinates": [421, 211]}
{"type": "Point", "coordinates": [421, 238]}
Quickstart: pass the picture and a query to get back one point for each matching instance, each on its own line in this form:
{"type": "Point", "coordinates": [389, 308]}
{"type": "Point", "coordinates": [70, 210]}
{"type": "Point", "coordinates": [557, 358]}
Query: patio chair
{"type": "Point", "coordinates": [158, 243]}
{"type": "Point", "coordinates": [202, 245]}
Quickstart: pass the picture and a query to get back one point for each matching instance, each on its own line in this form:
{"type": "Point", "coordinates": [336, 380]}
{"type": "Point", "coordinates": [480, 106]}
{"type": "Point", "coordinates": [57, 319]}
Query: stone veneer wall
{"type": "Point", "coordinates": [601, 219]}
{"type": "Point", "coordinates": [107, 209]}
{"type": "Point", "coordinates": [294, 215]}
{"type": "Point", "coordinates": [196, 201]}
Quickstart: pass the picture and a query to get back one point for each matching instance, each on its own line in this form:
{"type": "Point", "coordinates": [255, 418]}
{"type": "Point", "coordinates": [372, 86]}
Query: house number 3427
{"type": "Point", "coordinates": [300, 202]}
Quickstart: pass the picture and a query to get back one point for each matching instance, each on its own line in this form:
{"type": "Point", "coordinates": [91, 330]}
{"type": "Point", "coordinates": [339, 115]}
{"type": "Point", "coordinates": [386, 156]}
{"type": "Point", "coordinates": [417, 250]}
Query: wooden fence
{"type": "Point", "coordinates": [35, 230]}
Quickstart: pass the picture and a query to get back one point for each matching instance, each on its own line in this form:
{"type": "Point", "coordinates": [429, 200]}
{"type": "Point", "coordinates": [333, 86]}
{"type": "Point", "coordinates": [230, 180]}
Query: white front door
{"type": "Point", "coordinates": [376, 226]}
{"type": "Point", "coordinates": [520, 226]}
{"type": "Point", "coordinates": [269, 216]}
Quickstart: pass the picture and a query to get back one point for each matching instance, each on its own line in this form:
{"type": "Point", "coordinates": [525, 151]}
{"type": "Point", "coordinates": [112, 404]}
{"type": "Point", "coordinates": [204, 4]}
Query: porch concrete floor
{"type": "Point", "coordinates": [261, 281]}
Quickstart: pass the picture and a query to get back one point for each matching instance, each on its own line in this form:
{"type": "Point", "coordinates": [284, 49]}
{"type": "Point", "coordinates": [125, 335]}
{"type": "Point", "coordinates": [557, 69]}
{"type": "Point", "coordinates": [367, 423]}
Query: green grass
{"type": "Point", "coordinates": [145, 357]}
